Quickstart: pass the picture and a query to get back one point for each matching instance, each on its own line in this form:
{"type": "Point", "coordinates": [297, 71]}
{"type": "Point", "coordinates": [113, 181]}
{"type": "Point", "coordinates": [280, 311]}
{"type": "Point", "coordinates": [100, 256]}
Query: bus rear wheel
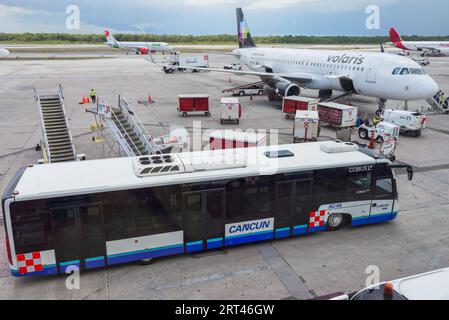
{"type": "Point", "coordinates": [336, 221]}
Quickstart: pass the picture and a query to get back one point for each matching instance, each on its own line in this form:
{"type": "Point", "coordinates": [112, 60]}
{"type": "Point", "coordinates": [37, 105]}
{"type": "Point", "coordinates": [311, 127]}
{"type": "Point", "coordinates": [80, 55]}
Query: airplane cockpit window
{"type": "Point", "coordinates": [417, 71]}
{"type": "Point", "coordinates": [397, 71]}
{"type": "Point", "coordinates": [405, 71]}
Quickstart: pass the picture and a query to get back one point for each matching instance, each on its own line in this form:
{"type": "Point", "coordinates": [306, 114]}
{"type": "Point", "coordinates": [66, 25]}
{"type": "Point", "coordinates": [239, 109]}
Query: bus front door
{"type": "Point", "coordinates": [383, 203]}
{"type": "Point", "coordinates": [79, 237]}
{"type": "Point", "coordinates": [204, 220]}
{"type": "Point", "coordinates": [293, 207]}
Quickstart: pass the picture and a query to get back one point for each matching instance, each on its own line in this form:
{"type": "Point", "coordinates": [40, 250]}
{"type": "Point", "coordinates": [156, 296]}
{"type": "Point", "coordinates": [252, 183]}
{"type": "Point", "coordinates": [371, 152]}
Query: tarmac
{"type": "Point", "coordinates": [304, 267]}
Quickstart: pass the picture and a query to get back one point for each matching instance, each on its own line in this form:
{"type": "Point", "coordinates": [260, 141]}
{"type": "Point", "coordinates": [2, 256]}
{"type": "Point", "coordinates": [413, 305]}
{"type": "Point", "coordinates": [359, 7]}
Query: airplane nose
{"type": "Point", "coordinates": [430, 88]}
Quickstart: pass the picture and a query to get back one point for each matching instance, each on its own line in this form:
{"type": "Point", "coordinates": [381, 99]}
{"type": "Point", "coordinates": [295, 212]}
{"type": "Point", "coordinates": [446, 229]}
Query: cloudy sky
{"type": "Point", "coordinates": [265, 17]}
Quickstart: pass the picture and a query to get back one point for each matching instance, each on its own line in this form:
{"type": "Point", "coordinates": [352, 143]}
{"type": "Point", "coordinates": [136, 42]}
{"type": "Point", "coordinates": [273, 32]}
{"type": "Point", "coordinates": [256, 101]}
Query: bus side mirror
{"type": "Point", "coordinates": [410, 173]}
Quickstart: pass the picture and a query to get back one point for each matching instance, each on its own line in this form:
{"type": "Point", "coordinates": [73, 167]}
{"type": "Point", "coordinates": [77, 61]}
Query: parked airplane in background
{"type": "Point", "coordinates": [285, 71]}
{"type": "Point", "coordinates": [3, 52]}
{"type": "Point", "coordinates": [426, 47]}
{"type": "Point", "coordinates": [137, 47]}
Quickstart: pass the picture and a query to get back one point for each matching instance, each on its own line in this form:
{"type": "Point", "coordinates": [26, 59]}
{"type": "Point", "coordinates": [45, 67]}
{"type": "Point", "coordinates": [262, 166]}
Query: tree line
{"type": "Point", "coordinates": [209, 39]}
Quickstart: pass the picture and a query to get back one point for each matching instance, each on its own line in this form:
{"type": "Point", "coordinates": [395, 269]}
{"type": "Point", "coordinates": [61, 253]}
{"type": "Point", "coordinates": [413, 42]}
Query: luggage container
{"type": "Point", "coordinates": [337, 115]}
{"type": "Point", "coordinates": [231, 110]}
{"type": "Point", "coordinates": [292, 104]}
{"type": "Point", "coordinates": [194, 104]}
{"type": "Point", "coordinates": [230, 139]}
{"type": "Point", "coordinates": [307, 126]}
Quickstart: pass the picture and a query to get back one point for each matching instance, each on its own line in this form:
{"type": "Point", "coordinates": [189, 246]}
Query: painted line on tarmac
{"type": "Point", "coordinates": [284, 272]}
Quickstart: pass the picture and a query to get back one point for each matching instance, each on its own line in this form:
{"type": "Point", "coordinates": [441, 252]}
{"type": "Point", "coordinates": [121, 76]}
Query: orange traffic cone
{"type": "Point", "coordinates": [88, 100]}
{"type": "Point", "coordinates": [83, 100]}
{"type": "Point", "coordinates": [150, 99]}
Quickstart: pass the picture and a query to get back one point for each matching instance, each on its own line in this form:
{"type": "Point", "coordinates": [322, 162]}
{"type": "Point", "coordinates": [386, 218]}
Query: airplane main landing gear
{"type": "Point", "coordinates": [382, 104]}
{"type": "Point", "coordinates": [325, 94]}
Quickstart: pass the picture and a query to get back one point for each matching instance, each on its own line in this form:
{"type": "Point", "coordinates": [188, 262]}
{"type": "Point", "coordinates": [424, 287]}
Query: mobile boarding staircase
{"type": "Point", "coordinates": [57, 144]}
{"type": "Point", "coordinates": [436, 104]}
{"type": "Point", "coordinates": [127, 129]}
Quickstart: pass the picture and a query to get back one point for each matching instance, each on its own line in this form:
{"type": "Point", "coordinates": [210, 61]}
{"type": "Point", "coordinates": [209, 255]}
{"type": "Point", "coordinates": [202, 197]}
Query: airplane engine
{"type": "Point", "coordinates": [287, 89]}
{"type": "Point", "coordinates": [144, 50]}
{"type": "Point", "coordinates": [282, 89]}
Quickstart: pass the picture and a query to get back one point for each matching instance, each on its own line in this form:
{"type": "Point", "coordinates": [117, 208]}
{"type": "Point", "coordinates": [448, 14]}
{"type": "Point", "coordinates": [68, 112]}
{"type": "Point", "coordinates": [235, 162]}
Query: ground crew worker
{"type": "Point", "coordinates": [93, 95]}
{"type": "Point", "coordinates": [366, 120]}
{"type": "Point", "coordinates": [443, 100]}
{"type": "Point", "coordinates": [376, 119]}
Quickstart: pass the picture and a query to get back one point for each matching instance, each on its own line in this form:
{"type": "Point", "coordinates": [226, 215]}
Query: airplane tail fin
{"type": "Point", "coordinates": [109, 37]}
{"type": "Point", "coordinates": [394, 36]}
{"type": "Point", "coordinates": [245, 40]}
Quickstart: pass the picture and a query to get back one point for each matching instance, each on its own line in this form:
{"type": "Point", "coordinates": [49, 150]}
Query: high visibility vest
{"type": "Point", "coordinates": [93, 94]}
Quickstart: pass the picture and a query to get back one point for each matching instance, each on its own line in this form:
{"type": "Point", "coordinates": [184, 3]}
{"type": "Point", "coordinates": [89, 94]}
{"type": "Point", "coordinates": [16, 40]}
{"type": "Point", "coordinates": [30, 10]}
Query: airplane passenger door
{"type": "Point", "coordinates": [371, 75]}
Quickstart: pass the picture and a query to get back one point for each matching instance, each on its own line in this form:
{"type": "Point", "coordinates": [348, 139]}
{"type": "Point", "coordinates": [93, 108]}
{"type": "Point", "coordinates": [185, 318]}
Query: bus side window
{"type": "Point", "coordinates": [384, 188]}
{"type": "Point", "coordinates": [250, 199]}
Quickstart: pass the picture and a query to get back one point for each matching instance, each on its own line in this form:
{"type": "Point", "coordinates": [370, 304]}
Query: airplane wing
{"type": "Point", "coordinates": [301, 78]}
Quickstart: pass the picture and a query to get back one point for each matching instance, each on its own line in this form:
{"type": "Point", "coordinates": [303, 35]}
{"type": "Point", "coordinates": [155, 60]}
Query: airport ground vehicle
{"type": "Point", "coordinates": [381, 132]}
{"type": "Point", "coordinates": [427, 286]}
{"type": "Point", "coordinates": [290, 105]}
{"type": "Point", "coordinates": [233, 66]}
{"type": "Point", "coordinates": [174, 61]}
{"type": "Point", "coordinates": [423, 61]}
{"type": "Point", "coordinates": [233, 139]}
{"type": "Point", "coordinates": [93, 214]}
{"type": "Point", "coordinates": [307, 126]}
{"type": "Point", "coordinates": [193, 104]}
{"type": "Point", "coordinates": [256, 89]}
{"type": "Point", "coordinates": [411, 123]}
{"type": "Point", "coordinates": [337, 115]}
{"type": "Point", "coordinates": [231, 110]}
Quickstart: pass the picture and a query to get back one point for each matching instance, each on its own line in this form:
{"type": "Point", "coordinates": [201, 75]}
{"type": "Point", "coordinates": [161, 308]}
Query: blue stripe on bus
{"type": "Point", "coordinates": [47, 270]}
{"type": "Point", "coordinates": [300, 230]}
{"type": "Point", "coordinates": [97, 262]}
{"type": "Point", "coordinates": [64, 265]}
{"type": "Point", "coordinates": [282, 233]}
{"type": "Point", "coordinates": [247, 238]}
{"type": "Point", "coordinates": [379, 218]}
{"type": "Point", "coordinates": [145, 254]}
{"type": "Point", "coordinates": [317, 229]}
{"type": "Point", "coordinates": [194, 246]}
{"type": "Point", "coordinates": [215, 243]}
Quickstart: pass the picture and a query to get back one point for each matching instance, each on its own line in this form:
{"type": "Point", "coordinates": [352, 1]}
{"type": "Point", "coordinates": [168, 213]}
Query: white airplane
{"type": "Point", "coordinates": [3, 52]}
{"type": "Point", "coordinates": [138, 47]}
{"type": "Point", "coordinates": [285, 71]}
{"type": "Point", "coordinates": [426, 47]}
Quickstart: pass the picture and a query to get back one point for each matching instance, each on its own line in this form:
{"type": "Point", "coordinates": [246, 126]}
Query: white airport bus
{"type": "Point", "coordinates": [98, 213]}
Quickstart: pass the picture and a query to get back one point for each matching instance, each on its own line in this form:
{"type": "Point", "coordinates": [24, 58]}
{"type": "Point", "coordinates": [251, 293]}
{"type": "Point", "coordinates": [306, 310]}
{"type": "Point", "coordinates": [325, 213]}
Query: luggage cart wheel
{"type": "Point", "coordinates": [287, 117]}
{"type": "Point", "coordinates": [184, 114]}
{"type": "Point", "coordinates": [208, 114]}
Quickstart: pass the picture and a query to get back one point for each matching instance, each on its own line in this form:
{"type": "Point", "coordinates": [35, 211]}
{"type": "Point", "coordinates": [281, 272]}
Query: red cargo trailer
{"type": "Point", "coordinates": [292, 104]}
{"type": "Point", "coordinates": [338, 115]}
{"type": "Point", "coordinates": [228, 139]}
{"type": "Point", "coordinates": [194, 103]}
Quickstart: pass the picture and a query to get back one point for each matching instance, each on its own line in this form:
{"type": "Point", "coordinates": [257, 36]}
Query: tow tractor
{"type": "Point", "coordinates": [382, 131]}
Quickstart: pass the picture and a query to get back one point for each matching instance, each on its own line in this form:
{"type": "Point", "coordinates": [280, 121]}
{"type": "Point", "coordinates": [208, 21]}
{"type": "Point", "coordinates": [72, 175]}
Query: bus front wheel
{"type": "Point", "coordinates": [336, 221]}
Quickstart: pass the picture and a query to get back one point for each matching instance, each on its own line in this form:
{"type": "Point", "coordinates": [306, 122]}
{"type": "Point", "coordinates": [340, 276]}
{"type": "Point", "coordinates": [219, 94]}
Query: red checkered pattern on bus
{"type": "Point", "coordinates": [29, 262]}
{"type": "Point", "coordinates": [317, 219]}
